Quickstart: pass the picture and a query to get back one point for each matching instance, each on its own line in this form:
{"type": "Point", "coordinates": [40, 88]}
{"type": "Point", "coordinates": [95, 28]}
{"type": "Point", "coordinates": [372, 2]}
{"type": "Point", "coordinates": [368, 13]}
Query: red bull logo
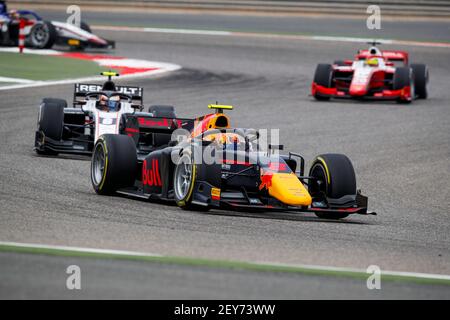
{"type": "Point", "coordinates": [150, 175]}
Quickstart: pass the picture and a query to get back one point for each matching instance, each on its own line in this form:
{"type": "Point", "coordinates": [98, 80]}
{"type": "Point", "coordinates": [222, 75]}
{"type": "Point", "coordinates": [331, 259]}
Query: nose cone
{"type": "Point", "coordinates": [287, 188]}
{"type": "Point", "coordinates": [358, 89]}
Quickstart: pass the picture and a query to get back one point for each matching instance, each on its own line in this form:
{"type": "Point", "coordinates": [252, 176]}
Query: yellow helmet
{"type": "Point", "coordinates": [372, 62]}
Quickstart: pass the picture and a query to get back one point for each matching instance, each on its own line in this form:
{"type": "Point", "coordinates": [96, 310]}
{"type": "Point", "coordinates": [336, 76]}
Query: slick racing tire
{"type": "Point", "coordinates": [184, 178]}
{"type": "Point", "coordinates": [51, 118]}
{"type": "Point", "coordinates": [421, 78]}
{"type": "Point", "coordinates": [51, 121]}
{"type": "Point", "coordinates": [323, 77]}
{"type": "Point", "coordinates": [404, 77]}
{"type": "Point", "coordinates": [114, 163]}
{"type": "Point", "coordinates": [43, 35]}
{"type": "Point", "coordinates": [163, 111]}
{"type": "Point", "coordinates": [337, 176]}
{"type": "Point", "coordinates": [55, 100]}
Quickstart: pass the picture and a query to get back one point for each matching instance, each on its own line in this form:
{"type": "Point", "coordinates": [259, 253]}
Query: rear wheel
{"type": "Point", "coordinates": [421, 77]}
{"type": "Point", "coordinates": [43, 35]}
{"type": "Point", "coordinates": [84, 26]}
{"type": "Point", "coordinates": [323, 77]}
{"type": "Point", "coordinates": [114, 163]}
{"type": "Point", "coordinates": [51, 121]}
{"type": "Point", "coordinates": [335, 179]}
{"type": "Point", "coordinates": [403, 77]}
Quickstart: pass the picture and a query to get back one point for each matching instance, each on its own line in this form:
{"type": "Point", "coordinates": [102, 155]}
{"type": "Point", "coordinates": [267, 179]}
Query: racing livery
{"type": "Point", "coordinates": [374, 74]}
{"type": "Point", "coordinates": [96, 110]}
{"type": "Point", "coordinates": [216, 166]}
{"type": "Point", "coordinates": [41, 34]}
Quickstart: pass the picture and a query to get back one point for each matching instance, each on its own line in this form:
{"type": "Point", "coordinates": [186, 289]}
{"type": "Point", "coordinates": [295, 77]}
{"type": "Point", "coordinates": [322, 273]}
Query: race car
{"type": "Point", "coordinates": [96, 110]}
{"type": "Point", "coordinates": [374, 74]}
{"type": "Point", "coordinates": [214, 165]}
{"type": "Point", "coordinates": [41, 34]}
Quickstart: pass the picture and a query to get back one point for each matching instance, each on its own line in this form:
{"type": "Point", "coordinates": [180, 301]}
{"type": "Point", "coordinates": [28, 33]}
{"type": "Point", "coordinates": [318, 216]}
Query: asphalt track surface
{"type": "Point", "coordinates": [412, 29]}
{"type": "Point", "coordinates": [400, 152]}
{"type": "Point", "coordinates": [118, 279]}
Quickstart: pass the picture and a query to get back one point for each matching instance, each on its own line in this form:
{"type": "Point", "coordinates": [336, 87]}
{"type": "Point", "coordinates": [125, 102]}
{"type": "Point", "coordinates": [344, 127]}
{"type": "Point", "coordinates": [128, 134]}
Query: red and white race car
{"type": "Point", "coordinates": [375, 74]}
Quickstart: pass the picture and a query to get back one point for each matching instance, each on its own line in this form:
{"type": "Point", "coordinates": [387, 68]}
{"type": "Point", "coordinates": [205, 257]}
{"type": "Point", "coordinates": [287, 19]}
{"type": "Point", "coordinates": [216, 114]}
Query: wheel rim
{"type": "Point", "coordinates": [183, 178]}
{"type": "Point", "coordinates": [98, 165]}
{"type": "Point", "coordinates": [319, 172]}
{"type": "Point", "coordinates": [40, 35]}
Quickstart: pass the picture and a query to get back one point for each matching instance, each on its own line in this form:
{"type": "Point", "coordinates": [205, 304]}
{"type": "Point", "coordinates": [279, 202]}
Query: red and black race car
{"type": "Point", "coordinates": [374, 74]}
{"type": "Point", "coordinates": [216, 166]}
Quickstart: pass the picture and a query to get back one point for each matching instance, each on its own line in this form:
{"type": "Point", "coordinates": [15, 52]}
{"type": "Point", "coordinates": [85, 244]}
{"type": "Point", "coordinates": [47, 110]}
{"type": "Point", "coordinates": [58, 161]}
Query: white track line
{"type": "Point", "coordinates": [269, 264]}
{"type": "Point", "coordinates": [99, 78]}
{"type": "Point", "coordinates": [17, 80]}
{"type": "Point", "coordinates": [269, 35]}
{"type": "Point", "coordinates": [78, 249]}
{"type": "Point", "coordinates": [189, 31]}
{"type": "Point", "coordinates": [28, 50]}
{"type": "Point", "coordinates": [161, 67]}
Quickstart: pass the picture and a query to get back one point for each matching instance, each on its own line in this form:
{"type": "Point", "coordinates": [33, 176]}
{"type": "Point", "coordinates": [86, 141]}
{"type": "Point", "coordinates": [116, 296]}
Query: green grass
{"type": "Point", "coordinates": [41, 67]}
{"type": "Point", "coordinates": [221, 264]}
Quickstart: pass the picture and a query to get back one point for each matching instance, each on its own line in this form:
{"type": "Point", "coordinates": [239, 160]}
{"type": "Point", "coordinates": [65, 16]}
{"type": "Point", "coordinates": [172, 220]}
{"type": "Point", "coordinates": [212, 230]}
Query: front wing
{"type": "Point", "coordinates": [402, 94]}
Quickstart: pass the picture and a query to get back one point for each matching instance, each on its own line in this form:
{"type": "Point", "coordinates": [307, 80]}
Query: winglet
{"type": "Point", "coordinates": [219, 107]}
{"type": "Point", "coordinates": [109, 74]}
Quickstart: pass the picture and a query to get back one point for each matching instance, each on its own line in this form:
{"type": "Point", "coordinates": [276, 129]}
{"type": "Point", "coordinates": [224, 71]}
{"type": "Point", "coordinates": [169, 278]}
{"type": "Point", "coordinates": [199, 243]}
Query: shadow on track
{"type": "Point", "coordinates": [279, 215]}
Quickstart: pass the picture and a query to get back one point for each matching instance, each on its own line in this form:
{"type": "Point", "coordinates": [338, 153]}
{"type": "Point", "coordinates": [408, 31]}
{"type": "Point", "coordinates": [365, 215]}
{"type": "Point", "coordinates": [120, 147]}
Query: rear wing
{"type": "Point", "coordinates": [81, 89]}
{"type": "Point", "coordinates": [388, 55]}
{"type": "Point", "coordinates": [146, 123]}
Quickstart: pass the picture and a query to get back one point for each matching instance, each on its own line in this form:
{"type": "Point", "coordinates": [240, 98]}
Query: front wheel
{"type": "Point", "coordinates": [335, 178]}
{"type": "Point", "coordinates": [421, 78]}
{"type": "Point", "coordinates": [324, 78]}
{"type": "Point", "coordinates": [51, 122]}
{"type": "Point", "coordinates": [403, 78]}
{"type": "Point", "coordinates": [184, 179]}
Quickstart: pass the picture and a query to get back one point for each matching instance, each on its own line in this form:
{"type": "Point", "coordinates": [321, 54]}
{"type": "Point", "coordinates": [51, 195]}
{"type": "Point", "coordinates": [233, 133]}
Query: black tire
{"type": "Point", "coordinates": [163, 111]}
{"type": "Point", "coordinates": [338, 179]}
{"type": "Point", "coordinates": [113, 164]}
{"type": "Point", "coordinates": [51, 121]}
{"type": "Point", "coordinates": [51, 118]}
{"type": "Point", "coordinates": [184, 199]}
{"type": "Point", "coordinates": [55, 100]}
{"type": "Point", "coordinates": [323, 77]}
{"type": "Point", "coordinates": [421, 78]}
{"type": "Point", "coordinates": [84, 26]}
{"type": "Point", "coordinates": [403, 77]}
{"type": "Point", "coordinates": [43, 35]}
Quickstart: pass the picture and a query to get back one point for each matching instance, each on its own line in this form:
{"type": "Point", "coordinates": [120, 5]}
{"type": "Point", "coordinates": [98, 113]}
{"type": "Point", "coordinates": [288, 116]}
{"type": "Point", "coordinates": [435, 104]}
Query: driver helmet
{"type": "Point", "coordinates": [227, 140]}
{"type": "Point", "coordinates": [106, 103]}
{"type": "Point", "coordinates": [372, 62]}
{"type": "Point", "coordinates": [113, 103]}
